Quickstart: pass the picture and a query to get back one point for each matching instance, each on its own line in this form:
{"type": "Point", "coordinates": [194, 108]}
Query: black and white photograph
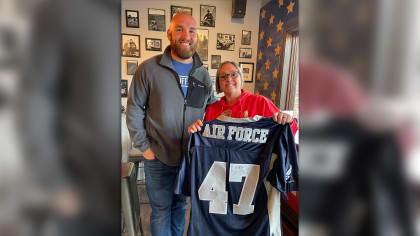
{"type": "Point", "coordinates": [216, 60]}
{"type": "Point", "coordinates": [124, 88]}
{"type": "Point", "coordinates": [203, 44]}
{"type": "Point", "coordinates": [130, 45]}
{"type": "Point", "coordinates": [178, 9]}
{"type": "Point", "coordinates": [132, 18]}
{"type": "Point", "coordinates": [247, 71]}
{"type": "Point", "coordinates": [156, 19]}
{"type": "Point", "coordinates": [153, 44]}
{"type": "Point", "coordinates": [225, 42]}
{"type": "Point", "coordinates": [131, 67]}
{"type": "Point", "coordinates": [207, 15]}
{"type": "Point", "coordinates": [245, 52]}
{"type": "Point", "coordinates": [246, 37]}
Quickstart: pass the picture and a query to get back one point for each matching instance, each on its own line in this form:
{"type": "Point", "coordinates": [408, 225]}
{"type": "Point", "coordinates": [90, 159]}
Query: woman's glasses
{"type": "Point", "coordinates": [232, 75]}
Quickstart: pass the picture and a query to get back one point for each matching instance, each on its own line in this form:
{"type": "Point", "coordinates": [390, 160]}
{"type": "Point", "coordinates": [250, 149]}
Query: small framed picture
{"type": "Point", "coordinates": [178, 9]}
{"type": "Point", "coordinates": [203, 44]}
{"type": "Point", "coordinates": [132, 18]}
{"type": "Point", "coordinates": [156, 19]}
{"type": "Point", "coordinates": [245, 52]}
{"type": "Point", "coordinates": [248, 71]}
{"type": "Point", "coordinates": [124, 88]}
{"type": "Point", "coordinates": [207, 15]}
{"type": "Point", "coordinates": [130, 45]}
{"type": "Point", "coordinates": [225, 42]}
{"type": "Point", "coordinates": [246, 37]}
{"type": "Point", "coordinates": [216, 60]}
{"type": "Point", "coordinates": [131, 67]}
{"type": "Point", "coordinates": [153, 44]}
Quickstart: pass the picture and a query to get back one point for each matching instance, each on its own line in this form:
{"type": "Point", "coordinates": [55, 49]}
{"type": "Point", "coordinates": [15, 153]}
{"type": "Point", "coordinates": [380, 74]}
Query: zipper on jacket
{"type": "Point", "coordinates": [183, 113]}
{"type": "Point", "coordinates": [185, 106]}
{"type": "Point", "coordinates": [183, 124]}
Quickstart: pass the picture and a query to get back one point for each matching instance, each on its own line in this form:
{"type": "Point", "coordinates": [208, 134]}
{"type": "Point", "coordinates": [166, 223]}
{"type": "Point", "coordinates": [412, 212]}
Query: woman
{"type": "Point", "coordinates": [237, 103]}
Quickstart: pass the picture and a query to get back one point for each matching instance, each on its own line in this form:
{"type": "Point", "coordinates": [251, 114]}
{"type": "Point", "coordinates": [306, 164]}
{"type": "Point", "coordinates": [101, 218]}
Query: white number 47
{"type": "Point", "coordinates": [213, 188]}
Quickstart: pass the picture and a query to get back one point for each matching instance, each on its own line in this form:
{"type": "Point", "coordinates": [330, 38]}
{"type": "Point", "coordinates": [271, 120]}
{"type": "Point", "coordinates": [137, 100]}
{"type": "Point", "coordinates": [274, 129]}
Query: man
{"type": "Point", "coordinates": [168, 93]}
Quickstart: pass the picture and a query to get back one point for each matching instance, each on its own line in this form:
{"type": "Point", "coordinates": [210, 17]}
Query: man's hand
{"type": "Point", "coordinates": [282, 118]}
{"type": "Point", "coordinates": [149, 154]}
{"type": "Point", "coordinates": [194, 127]}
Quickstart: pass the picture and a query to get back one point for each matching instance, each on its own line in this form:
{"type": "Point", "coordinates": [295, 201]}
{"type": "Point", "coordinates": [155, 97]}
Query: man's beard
{"type": "Point", "coordinates": [181, 52]}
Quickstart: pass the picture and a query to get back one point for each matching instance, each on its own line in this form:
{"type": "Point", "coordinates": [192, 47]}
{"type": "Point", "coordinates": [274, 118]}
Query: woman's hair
{"type": "Point", "coordinates": [218, 74]}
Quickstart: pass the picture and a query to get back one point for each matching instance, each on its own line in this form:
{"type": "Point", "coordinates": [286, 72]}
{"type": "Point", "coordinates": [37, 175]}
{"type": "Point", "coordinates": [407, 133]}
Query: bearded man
{"type": "Point", "coordinates": [168, 92]}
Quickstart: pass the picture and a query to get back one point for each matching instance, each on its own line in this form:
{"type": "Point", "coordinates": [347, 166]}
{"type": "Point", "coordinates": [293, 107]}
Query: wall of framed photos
{"type": "Point", "coordinates": [144, 24]}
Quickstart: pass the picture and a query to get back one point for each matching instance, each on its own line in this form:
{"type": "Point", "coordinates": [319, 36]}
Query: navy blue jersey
{"type": "Point", "coordinates": [232, 171]}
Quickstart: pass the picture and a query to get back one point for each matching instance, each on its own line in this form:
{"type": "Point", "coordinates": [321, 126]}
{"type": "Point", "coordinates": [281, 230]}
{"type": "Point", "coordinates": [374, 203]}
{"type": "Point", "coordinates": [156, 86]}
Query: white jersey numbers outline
{"type": "Point", "coordinates": [213, 187]}
{"type": "Point", "coordinates": [251, 172]}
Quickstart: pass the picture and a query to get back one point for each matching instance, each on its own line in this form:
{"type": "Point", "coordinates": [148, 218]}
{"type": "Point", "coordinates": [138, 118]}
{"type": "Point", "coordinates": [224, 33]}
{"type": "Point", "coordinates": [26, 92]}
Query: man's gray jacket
{"type": "Point", "coordinates": [158, 115]}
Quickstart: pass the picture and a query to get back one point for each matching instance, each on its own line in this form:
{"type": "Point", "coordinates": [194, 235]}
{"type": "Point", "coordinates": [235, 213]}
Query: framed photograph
{"type": "Point", "coordinates": [203, 44]}
{"type": "Point", "coordinates": [153, 44]}
{"type": "Point", "coordinates": [132, 18]}
{"type": "Point", "coordinates": [178, 9]}
{"type": "Point", "coordinates": [156, 19]}
{"type": "Point", "coordinates": [246, 37]}
{"type": "Point", "coordinates": [225, 42]}
{"type": "Point", "coordinates": [124, 88]}
{"type": "Point", "coordinates": [248, 71]}
{"type": "Point", "coordinates": [131, 67]}
{"type": "Point", "coordinates": [216, 60]}
{"type": "Point", "coordinates": [207, 15]}
{"type": "Point", "coordinates": [130, 45]}
{"type": "Point", "coordinates": [245, 52]}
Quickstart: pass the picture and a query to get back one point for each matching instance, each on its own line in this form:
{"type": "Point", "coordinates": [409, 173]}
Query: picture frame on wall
{"type": "Point", "coordinates": [131, 67]}
{"type": "Point", "coordinates": [207, 16]}
{"type": "Point", "coordinates": [132, 18]}
{"type": "Point", "coordinates": [225, 42]}
{"type": "Point", "coordinates": [130, 45]}
{"type": "Point", "coordinates": [156, 19]}
{"type": "Point", "coordinates": [124, 88]}
{"type": "Point", "coordinates": [246, 37]}
{"type": "Point", "coordinates": [178, 9]}
{"type": "Point", "coordinates": [203, 44]}
{"type": "Point", "coordinates": [153, 44]}
{"type": "Point", "coordinates": [216, 60]}
{"type": "Point", "coordinates": [247, 71]}
{"type": "Point", "coordinates": [245, 52]}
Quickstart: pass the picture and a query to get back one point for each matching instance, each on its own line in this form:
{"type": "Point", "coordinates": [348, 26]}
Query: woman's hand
{"type": "Point", "coordinates": [282, 118]}
{"type": "Point", "coordinates": [194, 127]}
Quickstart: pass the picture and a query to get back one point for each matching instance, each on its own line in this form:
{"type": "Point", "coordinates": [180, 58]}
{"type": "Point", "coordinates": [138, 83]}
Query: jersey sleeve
{"type": "Point", "coordinates": [284, 174]}
{"type": "Point", "coordinates": [182, 181]}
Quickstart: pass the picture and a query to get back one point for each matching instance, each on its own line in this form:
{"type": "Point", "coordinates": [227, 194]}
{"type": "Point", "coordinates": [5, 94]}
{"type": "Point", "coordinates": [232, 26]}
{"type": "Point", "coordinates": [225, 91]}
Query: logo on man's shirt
{"type": "Point", "coordinates": [183, 81]}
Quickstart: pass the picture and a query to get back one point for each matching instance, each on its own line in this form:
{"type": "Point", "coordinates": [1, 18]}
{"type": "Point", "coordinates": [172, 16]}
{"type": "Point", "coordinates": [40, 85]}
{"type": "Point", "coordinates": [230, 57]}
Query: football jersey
{"type": "Point", "coordinates": [235, 171]}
